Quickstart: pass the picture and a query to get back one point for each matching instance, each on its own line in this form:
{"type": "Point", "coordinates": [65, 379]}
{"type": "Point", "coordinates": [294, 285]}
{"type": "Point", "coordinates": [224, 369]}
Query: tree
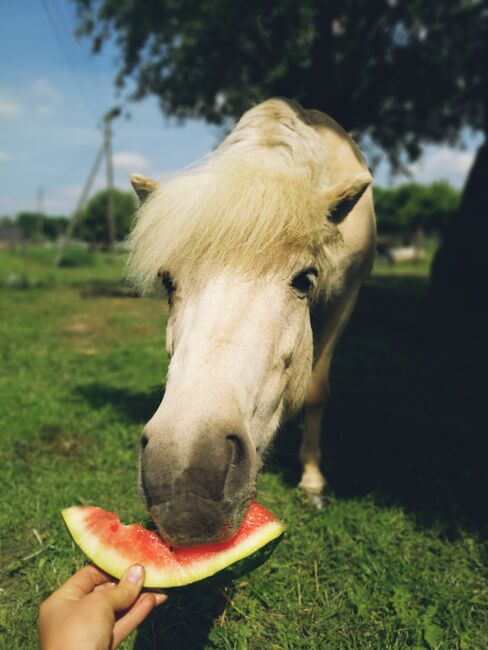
{"type": "Point", "coordinates": [54, 227]}
{"type": "Point", "coordinates": [35, 226]}
{"type": "Point", "coordinates": [398, 73]}
{"type": "Point", "coordinates": [411, 206]}
{"type": "Point", "coordinates": [30, 224]}
{"type": "Point", "coordinates": [94, 223]}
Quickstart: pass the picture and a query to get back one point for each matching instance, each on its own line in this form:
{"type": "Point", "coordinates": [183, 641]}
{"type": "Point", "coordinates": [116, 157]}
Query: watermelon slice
{"type": "Point", "coordinates": [114, 547]}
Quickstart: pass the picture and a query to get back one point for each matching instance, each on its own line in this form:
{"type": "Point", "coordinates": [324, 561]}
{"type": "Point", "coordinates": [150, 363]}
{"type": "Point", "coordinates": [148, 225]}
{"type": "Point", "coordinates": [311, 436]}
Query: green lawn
{"type": "Point", "coordinates": [396, 560]}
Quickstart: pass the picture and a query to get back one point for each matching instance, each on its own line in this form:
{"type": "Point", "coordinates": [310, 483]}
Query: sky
{"type": "Point", "coordinates": [53, 94]}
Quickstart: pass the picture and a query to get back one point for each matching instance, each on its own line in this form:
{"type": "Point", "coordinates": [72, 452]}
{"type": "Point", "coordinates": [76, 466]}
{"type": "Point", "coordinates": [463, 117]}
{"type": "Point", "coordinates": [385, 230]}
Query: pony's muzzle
{"type": "Point", "coordinates": [200, 496]}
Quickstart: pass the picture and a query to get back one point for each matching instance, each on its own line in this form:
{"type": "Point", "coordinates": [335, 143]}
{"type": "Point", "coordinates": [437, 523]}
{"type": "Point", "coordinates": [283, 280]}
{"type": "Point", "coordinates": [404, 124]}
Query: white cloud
{"type": "Point", "coordinates": [4, 157]}
{"type": "Point", "coordinates": [130, 160]}
{"type": "Point", "coordinates": [45, 111]}
{"type": "Point", "coordinates": [45, 89]}
{"type": "Point", "coordinates": [443, 163]}
{"type": "Point", "coordinates": [9, 109]}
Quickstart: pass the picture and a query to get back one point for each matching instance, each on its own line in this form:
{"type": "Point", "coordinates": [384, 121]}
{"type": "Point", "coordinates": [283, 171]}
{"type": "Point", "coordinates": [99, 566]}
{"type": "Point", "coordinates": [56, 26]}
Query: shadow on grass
{"type": "Point", "coordinates": [97, 288]}
{"type": "Point", "coordinates": [132, 406]}
{"type": "Point", "coordinates": [184, 621]}
{"type": "Point", "coordinates": [408, 414]}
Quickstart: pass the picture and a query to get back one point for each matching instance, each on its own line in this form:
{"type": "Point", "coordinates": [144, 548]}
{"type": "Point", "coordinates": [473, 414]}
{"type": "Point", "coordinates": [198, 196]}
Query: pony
{"type": "Point", "coordinates": [262, 248]}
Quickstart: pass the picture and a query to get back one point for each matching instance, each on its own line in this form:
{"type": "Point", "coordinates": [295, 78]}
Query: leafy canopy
{"type": "Point", "coordinates": [399, 72]}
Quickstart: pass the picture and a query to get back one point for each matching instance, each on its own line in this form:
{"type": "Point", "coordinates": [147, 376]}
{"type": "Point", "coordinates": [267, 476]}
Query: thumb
{"type": "Point", "coordinates": [128, 589]}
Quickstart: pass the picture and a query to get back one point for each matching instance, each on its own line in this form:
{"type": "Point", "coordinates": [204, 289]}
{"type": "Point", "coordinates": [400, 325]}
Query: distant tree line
{"type": "Point", "coordinates": [92, 227]}
{"type": "Point", "coordinates": [412, 207]}
{"type": "Point", "coordinates": [399, 210]}
{"type": "Point", "coordinates": [33, 226]}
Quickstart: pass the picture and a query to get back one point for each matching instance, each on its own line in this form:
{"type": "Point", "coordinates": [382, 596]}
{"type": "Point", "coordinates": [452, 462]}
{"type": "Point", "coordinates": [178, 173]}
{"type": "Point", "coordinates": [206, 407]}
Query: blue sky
{"type": "Point", "coordinates": [53, 93]}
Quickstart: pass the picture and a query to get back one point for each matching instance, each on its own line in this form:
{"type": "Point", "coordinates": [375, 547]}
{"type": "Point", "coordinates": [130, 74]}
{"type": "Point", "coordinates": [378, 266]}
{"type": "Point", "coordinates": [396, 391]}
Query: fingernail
{"type": "Point", "coordinates": [135, 574]}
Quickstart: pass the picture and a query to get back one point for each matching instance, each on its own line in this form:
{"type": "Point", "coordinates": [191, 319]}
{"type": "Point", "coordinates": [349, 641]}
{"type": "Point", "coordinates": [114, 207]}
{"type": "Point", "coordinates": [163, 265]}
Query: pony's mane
{"type": "Point", "coordinates": [251, 204]}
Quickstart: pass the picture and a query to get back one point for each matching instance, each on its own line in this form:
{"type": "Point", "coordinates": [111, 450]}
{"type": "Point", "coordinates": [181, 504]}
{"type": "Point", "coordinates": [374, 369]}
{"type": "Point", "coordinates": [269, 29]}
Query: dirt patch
{"type": "Point", "coordinates": [61, 443]}
{"type": "Point", "coordinates": [82, 328]}
{"type": "Point", "coordinates": [53, 442]}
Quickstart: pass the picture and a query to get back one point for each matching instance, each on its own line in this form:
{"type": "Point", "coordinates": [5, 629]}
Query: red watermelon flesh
{"type": "Point", "coordinates": [114, 547]}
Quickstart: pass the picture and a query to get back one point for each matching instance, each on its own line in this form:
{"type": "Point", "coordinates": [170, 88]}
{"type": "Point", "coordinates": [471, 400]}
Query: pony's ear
{"type": "Point", "coordinates": [341, 198]}
{"type": "Point", "coordinates": [142, 186]}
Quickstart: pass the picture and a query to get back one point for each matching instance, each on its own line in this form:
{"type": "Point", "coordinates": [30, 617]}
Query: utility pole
{"type": "Point", "coordinates": [105, 150]}
{"type": "Point", "coordinates": [107, 143]}
{"type": "Point", "coordinates": [66, 238]}
{"type": "Point", "coordinates": [40, 211]}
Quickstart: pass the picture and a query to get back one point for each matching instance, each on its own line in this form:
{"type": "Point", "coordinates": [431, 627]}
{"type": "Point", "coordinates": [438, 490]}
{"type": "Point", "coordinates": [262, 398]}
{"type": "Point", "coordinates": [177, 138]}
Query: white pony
{"type": "Point", "coordinates": [262, 250]}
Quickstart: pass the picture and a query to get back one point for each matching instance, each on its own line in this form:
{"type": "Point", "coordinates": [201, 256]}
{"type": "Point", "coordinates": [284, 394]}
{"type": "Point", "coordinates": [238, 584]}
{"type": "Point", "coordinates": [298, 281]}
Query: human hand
{"type": "Point", "coordinates": [91, 612]}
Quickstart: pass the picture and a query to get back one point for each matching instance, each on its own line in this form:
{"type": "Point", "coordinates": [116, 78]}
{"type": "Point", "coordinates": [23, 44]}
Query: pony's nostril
{"type": "Point", "coordinates": [144, 441]}
{"type": "Point", "coordinates": [239, 470]}
{"type": "Point", "coordinates": [238, 448]}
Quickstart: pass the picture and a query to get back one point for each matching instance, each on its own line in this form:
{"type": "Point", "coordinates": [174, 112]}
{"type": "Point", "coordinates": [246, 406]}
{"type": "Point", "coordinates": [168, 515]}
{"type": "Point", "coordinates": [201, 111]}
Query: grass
{"type": "Point", "coordinates": [396, 560]}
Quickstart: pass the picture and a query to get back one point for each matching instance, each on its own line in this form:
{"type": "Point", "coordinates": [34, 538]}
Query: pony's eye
{"type": "Point", "coordinates": [168, 284]}
{"type": "Point", "coordinates": [304, 280]}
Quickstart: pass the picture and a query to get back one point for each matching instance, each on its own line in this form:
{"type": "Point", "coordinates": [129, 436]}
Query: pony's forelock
{"type": "Point", "coordinates": [256, 201]}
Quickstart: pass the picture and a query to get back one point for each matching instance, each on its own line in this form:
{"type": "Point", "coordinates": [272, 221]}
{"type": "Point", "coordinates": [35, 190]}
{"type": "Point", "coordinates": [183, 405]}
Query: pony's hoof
{"type": "Point", "coordinates": [317, 500]}
{"type": "Point", "coordinates": [316, 497]}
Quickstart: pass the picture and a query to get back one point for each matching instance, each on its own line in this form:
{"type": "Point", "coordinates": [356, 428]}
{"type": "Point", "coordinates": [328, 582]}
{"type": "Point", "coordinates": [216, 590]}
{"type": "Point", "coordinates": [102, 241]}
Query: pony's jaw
{"type": "Point", "coordinates": [240, 355]}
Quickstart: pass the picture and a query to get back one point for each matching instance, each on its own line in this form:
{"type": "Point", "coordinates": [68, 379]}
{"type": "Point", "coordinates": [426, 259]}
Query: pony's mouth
{"type": "Point", "coordinates": [206, 501]}
{"type": "Point", "coordinates": [189, 520]}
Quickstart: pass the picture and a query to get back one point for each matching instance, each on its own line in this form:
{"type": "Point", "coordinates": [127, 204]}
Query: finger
{"type": "Point", "coordinates": [160, 598]}
{"type": "Point", "coordinates": [134, 617]}
{"type": "Point", "coordinates": [104, 586]}
{"type": "Point", "coordinates": [126, 592]}
{"type": "Point", "coordinates": [83, 582]}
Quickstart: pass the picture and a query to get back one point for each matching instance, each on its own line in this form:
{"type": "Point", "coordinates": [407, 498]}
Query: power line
{"type": "Point", "coordinates": [105, 151]}
{"type": "Point", "coordinates": [89, 63]}
{"type": "Point", "coordinates": [57, 31]}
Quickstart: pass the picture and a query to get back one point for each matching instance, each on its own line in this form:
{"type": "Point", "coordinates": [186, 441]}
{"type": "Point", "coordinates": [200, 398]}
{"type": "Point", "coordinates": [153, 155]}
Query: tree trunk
{"type": "Point", "coordinates": [459, 274]}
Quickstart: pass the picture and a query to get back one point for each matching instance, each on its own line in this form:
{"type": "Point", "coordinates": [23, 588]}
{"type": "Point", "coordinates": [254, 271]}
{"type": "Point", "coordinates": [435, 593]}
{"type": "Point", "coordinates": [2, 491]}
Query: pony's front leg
{"type": "Point", "coordinates": [313, 482]}
{"type": "Point", "coordinates": [328, 328]}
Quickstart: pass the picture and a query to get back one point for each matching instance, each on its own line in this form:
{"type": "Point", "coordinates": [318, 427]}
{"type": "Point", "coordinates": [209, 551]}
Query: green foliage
{"type": "Point", "coordinates": [77, 256]}
{"type": "Point", "coordinates": [36, 226]}
{"type": "Point", "coordinates": [53, 227]}
{"type": "Point", "coordinates": [30, 224]}
{"type": "Point", "coordinates": [94, 223]}
{"type": "Point", "coordinates": [396, 559]}
{"type": "Point", "coordinates": [400, 72]}
{"type": "Point", "coordinates": [412, 206]}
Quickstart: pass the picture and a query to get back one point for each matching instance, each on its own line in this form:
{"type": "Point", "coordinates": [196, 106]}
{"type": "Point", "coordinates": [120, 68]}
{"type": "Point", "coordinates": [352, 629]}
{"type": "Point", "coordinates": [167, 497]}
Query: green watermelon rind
{"type": "Point", "coordinates": [242, 567]}
{"type": "Point", "coordinates": [234, 562]}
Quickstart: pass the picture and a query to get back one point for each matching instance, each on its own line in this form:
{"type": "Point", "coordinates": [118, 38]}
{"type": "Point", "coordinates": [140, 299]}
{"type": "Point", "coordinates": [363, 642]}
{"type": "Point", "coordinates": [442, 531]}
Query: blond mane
{"type": "Point", "coordinates": [251, 204]}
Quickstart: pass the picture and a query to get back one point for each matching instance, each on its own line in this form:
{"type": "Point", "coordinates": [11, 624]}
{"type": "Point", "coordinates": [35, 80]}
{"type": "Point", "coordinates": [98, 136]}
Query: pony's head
{"type": "Point", "coordinates": [243, 245]}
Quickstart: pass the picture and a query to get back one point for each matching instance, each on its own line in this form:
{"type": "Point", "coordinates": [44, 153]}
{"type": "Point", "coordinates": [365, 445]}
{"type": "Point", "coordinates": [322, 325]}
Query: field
{"type": "Point", "coordinates": [396, 560]}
